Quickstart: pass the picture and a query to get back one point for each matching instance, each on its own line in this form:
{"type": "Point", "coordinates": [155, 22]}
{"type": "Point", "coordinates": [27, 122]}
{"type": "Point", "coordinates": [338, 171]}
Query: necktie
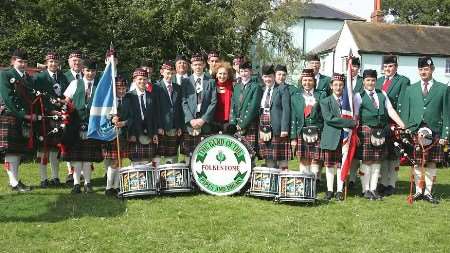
{"type": "Point", "coordinates": [241, 96]}
{"type": "Point", "coordinates": [267, 99]}
{"type": "Point", "coordinates": [141, 98]}
{"type": "Point", "coordinates": [198, 90]}
{"type": "Point", "coordinates": [340, 104]}
{"type": "Point", "coordinates": [54, 76]}
{"type": "Point", "coordinates": [170, 89]}
{"type": "Point", "coordinates": [386, 84]}
{"type": "Point", "coordinates": [77, 76]}
{"type": "Point", "coordinates": [425, 89]}
{"type": "Point", "coordinates": [372, 98]}
{"type": "Point", "coordinates": [88, 92]}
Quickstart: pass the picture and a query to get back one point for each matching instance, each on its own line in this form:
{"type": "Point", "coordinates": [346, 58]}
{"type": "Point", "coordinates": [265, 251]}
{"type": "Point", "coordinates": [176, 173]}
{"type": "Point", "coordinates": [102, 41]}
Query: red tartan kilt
{"type": "Point", "coordinates": [277, 149]}
{"type": "Point", "coordinates": [332, 158]}
{"type": "Point", "coordinates": [368, 151]}
{"type": "Point", "coordinates": [308, 151]}
{"type": "Point", "coordinates": [251, 136]}
{"type": "Point", "coordinates": [434, 153]}
{"type": "Point", "coordinates": [189, 143]}
{"type": "Point", "coordinates": [168, 145]}
{"type": "Point", "coordinates": [109, 149]}
{"type": "Point", "coordinates": [141, 152]}
{"type": "Point", "coordinates": [11, 139]}
{"type": "Point", "coordinates": [85, 151]}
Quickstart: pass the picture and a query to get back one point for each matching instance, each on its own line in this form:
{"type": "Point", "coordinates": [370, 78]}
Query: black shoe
{"type": "Point", "coordinates": [381, 189]}
{"type": "Point", "coordinates": [429, 198]}
{"type": "Point", "coordinates": [388, 191]}
{"type": "Point", "coordinates": [55, 182]}
{"type": "Point", "coordinates": [88, 188]}
{"type": "Point", "coordinates": [328, 195]}
{"type": "Point", "coordinates": [110, 192]}
{"type": "Point", "coordinates": [24, 187]}
{"type": "Point", "coordinates": [339, 196]}
{"type": "Point", "coordinates": [375, 196]}
{"type": "Point", "coordinates": [69, 179]}
{"type": "Point", "coordinates": [417, 196]}
{"type": "Point", "coordinates": [44, 184]}
{"type": "Point", "coordinates": [20, 187]}
{"type": "Point", "coordinates": [76, 189]}
{"type": "Point", "coordinates": [368, 195]}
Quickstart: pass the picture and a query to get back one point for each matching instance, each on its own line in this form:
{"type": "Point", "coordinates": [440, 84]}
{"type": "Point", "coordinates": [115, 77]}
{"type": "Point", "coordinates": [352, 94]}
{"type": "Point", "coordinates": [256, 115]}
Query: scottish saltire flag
{"type": "Point", "coordinates": [103, 106]}
{"type": "Point", "coordinates": [349, 141]}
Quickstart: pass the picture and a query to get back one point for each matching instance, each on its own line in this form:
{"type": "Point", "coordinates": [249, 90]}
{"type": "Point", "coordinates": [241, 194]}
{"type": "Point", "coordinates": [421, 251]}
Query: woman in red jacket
{"type": "Point", "coordinates": [224, 85]}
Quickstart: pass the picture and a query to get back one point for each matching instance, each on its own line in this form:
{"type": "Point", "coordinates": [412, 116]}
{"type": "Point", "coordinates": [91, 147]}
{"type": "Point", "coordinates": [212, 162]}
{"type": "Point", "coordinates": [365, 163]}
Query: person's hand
{"type": "Point", "coordinates": [401, 125]}
{"type": "Point", "coordinates": [238, 127]}
{"type": "Point", "coordinates": [293, 143]}
{"type": "Point", "coordinates": [132, 139]}
{"type": "Point", "coordinates": [193, 123]}
{"type": "Point", "coordinates": [115, 120]}
{"type": "Point", "coordinates": [120, 124]}
{"type": "Point", "coordinates": [283, 134]}
{"type": "Point", "coordinates": [160, 131]}
{"type": "Point", "coordinates": [155, 139]}
{"type": "Point", "coordinates": [200, 122]}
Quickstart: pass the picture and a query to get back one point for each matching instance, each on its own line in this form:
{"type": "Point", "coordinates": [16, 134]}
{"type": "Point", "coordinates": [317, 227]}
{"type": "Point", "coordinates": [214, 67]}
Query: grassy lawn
{"type": "Point", "coordinates": [52, 220]}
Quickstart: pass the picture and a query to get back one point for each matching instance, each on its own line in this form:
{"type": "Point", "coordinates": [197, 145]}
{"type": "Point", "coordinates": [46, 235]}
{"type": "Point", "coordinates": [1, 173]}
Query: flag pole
{"type": "Point", "coordinates": [349, 82]}
{"type": "Point", "coordinates": [115, 112]}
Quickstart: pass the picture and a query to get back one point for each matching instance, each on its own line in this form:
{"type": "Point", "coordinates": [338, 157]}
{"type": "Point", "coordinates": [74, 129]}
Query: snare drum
{"type": "Point", "coordinates": [297, 187]}
{"type": "Point", "coordinates": [174, 178]}
{"type": "Point", "coordinates": [264, 182]}
{"type": "Point", "coordinates": [138, 180]}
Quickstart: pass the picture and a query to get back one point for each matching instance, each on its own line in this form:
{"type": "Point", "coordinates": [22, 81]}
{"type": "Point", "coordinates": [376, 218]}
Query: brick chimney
{"type": "Point", "coordinates": [377, 14]}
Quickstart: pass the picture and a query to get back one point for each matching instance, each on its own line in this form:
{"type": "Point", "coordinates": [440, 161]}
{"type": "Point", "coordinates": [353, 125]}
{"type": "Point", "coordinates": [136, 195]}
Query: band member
{"type": "Point", "coordinates": [357, 84]}
{"type": "Point", "coordinates": [237, 60]}
{"type": "Point", "coordinates": [83, 152]}
{"type": "Point", "coordinates": [395, 86]}
{"type": "Point", "coordinates": [109, 150]}
{"type": "Point", "coordinates": [147, 66]}
{"type": "Point", "coordinates": [331, 139]}
{"type": "Point", "coordinates": [281, 76]}
{"type": "Point", "coordinates": [199, 104]}
{"type": "Point", "coordinates": [307, 123]}
{"type": "Point", "coordinates": [142, 120]}
{"type": "Point", "coordinates": [426, 106]}
{"type": "Point", "coordinates": [74, 73]}
{"type": "Point", "coordinates": [181, 68]}
{"type": "Point", "coordinates": [245, 104]}
{"type": "Point", "coordinates": [53, 82]}
{"type": "Point", "coordinates": [374, 113]}
{"type": "Point", "coordinates": [171, 120]}
{"type": "Point", "coordinates": [322, 81]}
{"type": "Point", "coordinates": [213, 60]}
{"type": "Point", "coordinates": [224, 85]}
{"type": "Point", "coordinates": [274, 121]}
{"type": "Point", "coordinates": [15, 86]}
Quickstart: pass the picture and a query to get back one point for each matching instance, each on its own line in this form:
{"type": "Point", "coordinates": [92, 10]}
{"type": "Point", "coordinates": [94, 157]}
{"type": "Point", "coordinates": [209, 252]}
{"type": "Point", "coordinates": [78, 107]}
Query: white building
{"type": "Point", "coordinates": [372, 41]}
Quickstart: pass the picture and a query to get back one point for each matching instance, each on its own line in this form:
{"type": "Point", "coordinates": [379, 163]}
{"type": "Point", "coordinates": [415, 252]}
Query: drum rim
{"type": "Point", "coordinates": [136, 168]}
{"type": "Point", "coordinates": [177, 165]}
{"type": "Point", "coordinates": [266, 169]}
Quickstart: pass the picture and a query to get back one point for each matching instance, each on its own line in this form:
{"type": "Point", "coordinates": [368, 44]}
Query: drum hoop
{"type": "Point", "coordinates": [266, 169]}
{"type": "Point", "coordinates": [173, 165]}
{"type": "Point", "coordinates": [144, 140]}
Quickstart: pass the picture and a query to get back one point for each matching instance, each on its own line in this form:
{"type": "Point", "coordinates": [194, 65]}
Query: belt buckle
{"type": "Point", "coordinates": [266, 110]}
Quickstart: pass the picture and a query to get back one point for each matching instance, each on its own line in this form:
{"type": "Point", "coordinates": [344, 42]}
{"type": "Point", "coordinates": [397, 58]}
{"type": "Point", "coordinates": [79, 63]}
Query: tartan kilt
{"type": "Point", "coordinates": [332, 158]}
{"type": "Point", "coordinates": [85, 151]}
{"type": "Point", "coordinates": [277, 149]}
{"type": "Point", "coordinates": [141, 152]}
{"type": "Point", "coordinates": [368, 151]}
{"type": "Point", "coordinates": [189, 143]}
{"type": "Point", "coordinates": [434, 153]}
{"type": "Point", "coordinates": [109, 149]}
{"type": "Point", "coordinates": [251, 136]}
{"type": "Point", "coordinates": [389, 150]}
{"type": "Point", "coordinates": [11, 139]}
{"type": "Point", "coordinates": [308, 151]}
{"type": "Point", "coordinates": [168, 145]}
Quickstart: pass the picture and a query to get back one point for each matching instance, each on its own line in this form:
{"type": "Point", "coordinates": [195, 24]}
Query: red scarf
{"type": "Point", "coordinates": [223, 107]}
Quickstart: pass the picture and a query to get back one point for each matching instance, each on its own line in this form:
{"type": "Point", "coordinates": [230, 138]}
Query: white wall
{"type": "Point", "coordinates": [360, 8]}
{"type": "Point", "coordinates": [343, 46]}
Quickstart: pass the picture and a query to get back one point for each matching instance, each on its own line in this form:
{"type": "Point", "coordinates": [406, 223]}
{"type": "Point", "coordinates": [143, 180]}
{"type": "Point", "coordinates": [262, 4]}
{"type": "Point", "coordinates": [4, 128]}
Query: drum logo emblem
{"type": "Point", "coordinates": [221, 165]}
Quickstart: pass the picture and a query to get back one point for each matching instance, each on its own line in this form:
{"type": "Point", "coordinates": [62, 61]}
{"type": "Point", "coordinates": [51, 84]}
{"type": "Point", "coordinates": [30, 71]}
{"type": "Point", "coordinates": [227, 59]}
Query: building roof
{"type": "Point", "coordinates": [401, 39]}
{"type": "Point", "coordinates": [322, 11]}
{"type": "Point", "coordinates": [381, 38]}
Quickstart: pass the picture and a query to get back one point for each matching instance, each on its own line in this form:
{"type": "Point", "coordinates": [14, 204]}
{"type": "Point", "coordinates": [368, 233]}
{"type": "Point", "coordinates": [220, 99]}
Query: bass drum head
{"type": "Point", "coordinates": [221, 165]}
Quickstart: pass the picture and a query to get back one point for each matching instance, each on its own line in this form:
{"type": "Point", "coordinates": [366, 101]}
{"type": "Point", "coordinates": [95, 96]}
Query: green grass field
{"type": "Point", "coordinates": [53, 220]}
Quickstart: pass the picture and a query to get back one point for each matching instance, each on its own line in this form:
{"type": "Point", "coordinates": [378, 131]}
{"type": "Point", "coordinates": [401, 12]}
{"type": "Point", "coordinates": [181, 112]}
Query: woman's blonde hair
{"type": "Point", "coordinates": [227, 66]}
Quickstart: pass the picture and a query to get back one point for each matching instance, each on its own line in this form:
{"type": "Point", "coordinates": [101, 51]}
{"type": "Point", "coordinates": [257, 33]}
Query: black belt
{"type": "Point", "coordinates": [264, 110]}
{"type": "Point", "coordinates": [198, 115]}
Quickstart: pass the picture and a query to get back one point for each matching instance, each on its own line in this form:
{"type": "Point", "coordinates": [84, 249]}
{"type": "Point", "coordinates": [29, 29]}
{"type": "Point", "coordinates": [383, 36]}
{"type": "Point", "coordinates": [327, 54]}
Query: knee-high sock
{"type": "Point", "coordinates": [315, 169]}
{"type": "Point", "coordinates": [271, 163]}
{"type": "Point", "coordinates": [303, 168]}
{"type": "Point", "coordinates": [417, 177]}
{"type": "Point", "coordinates": [394, 173]}
{"type": "Point", "coordinates": [109, 178]}
{"type": "Point", "coordinates": [42, 165]}
{"type": "Point", "coordinates": [77, 168]}
{"type": "Point", "coordinates": [365, 177]}
{"type": "Point", "coordinates": [116, 179]}
{"type": "Point", "coordinates": [107, 163]}
{"type": "Point", "coordinates": [11, 166]}
{"type": "Point", "coordinates": [54, 163]}
{"type": "Point", "coordinates": [374, 174]}
{"type": "Point", "coordinates": [69, 168]}
{"type": "Point", "coordinates": [430, 175]}
{"type": "Point", "coordinates": [385, 172]}
{"type": "Point", "coordinates": [353, 169]}
{"type": "Point", "coordinates": [330, 172]}
{"type": "Point", "coordinates": [339, 182]}
{"type": "Point", "coordinates": [87, 171]}
{"type": "Point", "coordinates": [283, 165]}
{"type": "Point", "coordinates": [171, 159]}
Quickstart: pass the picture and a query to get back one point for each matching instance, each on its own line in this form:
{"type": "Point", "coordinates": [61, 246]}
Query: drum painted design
{"type": "Point", "coordinates": [137, 181]}
{"type": "Point", "coordinates": [295, 186]}
{"type": "Point", "coordinates": [174, 178]}
{"type": "Point", "coordinates": [264, 182]}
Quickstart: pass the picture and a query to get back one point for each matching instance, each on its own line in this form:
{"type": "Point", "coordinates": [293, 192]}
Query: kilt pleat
{"type": "Point", "coordinates": [308, 151]}
{"type": "Point", "coordinates": [109, 149]}
{"type": "Point", "coordinates": [141, 152]}
{"type": "Point", "coordinates": [332, 158]}
{"type": "Point", "coordinates": [85, 151]}
{"type": "Point", "coordinates": [168, 145]}
{"type": "Point", "coordinates": [11, 139]}
{"type": "Point", "coordinates": [278, 148]}
{"type": "Point", "coordinates": [433, 153]}
{"type": "Point", "coordinates": [368, 151]}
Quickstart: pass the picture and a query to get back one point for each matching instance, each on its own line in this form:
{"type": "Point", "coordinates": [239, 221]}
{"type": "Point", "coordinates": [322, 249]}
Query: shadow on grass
{"type": "Point", "coordinates": [48, 207]}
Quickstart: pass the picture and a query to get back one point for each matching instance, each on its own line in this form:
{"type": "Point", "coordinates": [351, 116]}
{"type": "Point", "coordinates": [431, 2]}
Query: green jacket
{"type": "Point", "coordinates": [359, 87]}
{"type": "Point", "coordinates": [324, 84]}
{"type": "Point", "coordinates": [280, 109]}
{"type": "Point", "coordinates": [396, 90]}
{"type": "Point", "coordinates": [82, 106]}
{"type": "Point", "coordinates": [433, 110]}
{"type": "Point", "coordinates": [370, 115]}
{"type": "Point", "coordinates": [333, 123]}
{"type": "Point", "coordinates": [246, 112]}
{"type": "Point", "coordinates": [45, 83]}
{"type": "Point", "coordinates": [298, 120]}
{"type": "Point", "coordinates": [170, 110]}
{"type": "Point", "coordinates": [69, 76]}
{"type": "Point", "coordinates": [15, 101]}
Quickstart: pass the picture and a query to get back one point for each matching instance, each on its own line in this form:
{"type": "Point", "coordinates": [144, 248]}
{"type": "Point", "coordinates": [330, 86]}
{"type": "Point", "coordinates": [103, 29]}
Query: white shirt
{"type": "Point", "coordinates": [430, 83]}
{"type": "Point", "coordinates": [358, 100]}
{"type": "Point", "coordinates": [198, 87]}
{"type": "Point", "coordinates": [309, 97]}
{"type": "Point", "coordinates": [263, 100]}
{"type": "Point", "coordinates": [20, 72]}
{"type": "Point", "coordinates": [317, 77]}
{"type": "Point", "coordinates": [139, 93]}
{"type": "Point", "coordinates": [75, 74]}
{"type": "Point", "coordinates": [70, 91]}
{"type": "Point", "coordinates": [179, 77]}
{"type": "Point", "coordinates": [51, 73]}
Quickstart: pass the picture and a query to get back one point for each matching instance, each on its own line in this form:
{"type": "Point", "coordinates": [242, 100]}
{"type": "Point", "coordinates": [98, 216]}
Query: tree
{"type": "Point", "coordinates": [431, 12]}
